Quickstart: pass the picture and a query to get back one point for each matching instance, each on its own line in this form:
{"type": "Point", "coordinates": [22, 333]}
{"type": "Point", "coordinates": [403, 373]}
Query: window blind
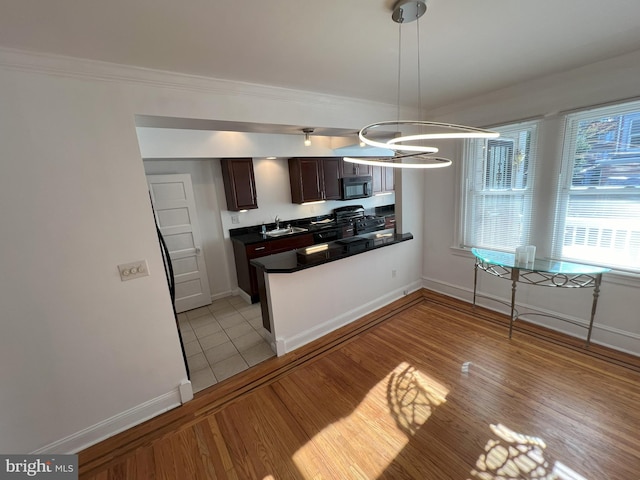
{"type": "Point", "coordinates": [499, 175]}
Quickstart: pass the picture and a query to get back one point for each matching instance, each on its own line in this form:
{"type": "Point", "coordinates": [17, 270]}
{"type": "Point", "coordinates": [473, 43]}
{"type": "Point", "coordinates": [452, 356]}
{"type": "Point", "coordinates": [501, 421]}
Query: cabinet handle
{"type": "Point", "coordinates": [260, 248]}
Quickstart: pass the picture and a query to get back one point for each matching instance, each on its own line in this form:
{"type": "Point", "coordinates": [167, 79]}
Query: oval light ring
{"type": "Point", "coordinates": [396, 143]}
{"type": "Point", "coordinates": [439, 162]}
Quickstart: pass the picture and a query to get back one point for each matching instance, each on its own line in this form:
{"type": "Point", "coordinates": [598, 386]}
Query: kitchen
{"type": "Point", "coordinates": [197, 152]}
{"type": "Point", "coordinates": [181, 151]}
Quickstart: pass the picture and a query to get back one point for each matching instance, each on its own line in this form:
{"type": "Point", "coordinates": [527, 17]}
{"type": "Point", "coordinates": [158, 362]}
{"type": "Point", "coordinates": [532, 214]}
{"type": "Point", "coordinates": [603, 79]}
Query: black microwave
{"type": "Point", "coordinates": [356, 187]}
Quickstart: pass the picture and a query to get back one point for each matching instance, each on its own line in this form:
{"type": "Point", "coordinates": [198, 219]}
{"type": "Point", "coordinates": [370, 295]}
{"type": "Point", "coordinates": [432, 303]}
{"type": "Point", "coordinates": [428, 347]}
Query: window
{"type": "Point", "coordinates": [595, 216]}
{"type": "Point", "coordinates": [598, 208]}
{"type": "Point", "coordinates": [499, 182]}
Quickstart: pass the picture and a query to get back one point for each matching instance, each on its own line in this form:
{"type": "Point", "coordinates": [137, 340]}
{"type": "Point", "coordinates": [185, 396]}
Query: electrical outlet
{"type": "Point", "coordinates": [129, 271]}
{"type": "Point", "coordinates": [235, 219]}
{"type": "Point", "coordinates": [393, 273]}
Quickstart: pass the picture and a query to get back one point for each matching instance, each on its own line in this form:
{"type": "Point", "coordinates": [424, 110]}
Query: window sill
{"type": "Point", "coordinates": [461, 252]}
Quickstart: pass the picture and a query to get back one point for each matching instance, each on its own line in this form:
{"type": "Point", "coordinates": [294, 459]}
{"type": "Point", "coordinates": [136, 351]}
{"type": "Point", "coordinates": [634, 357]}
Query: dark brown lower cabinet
{"type": "Point", "coordinates": [243, 254]}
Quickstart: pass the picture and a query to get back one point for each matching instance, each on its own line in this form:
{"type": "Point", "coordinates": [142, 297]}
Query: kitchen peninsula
{"type": "Point", "coordinates": [314, 275]}
{"type": "Point", "coordinates": [308, 292]}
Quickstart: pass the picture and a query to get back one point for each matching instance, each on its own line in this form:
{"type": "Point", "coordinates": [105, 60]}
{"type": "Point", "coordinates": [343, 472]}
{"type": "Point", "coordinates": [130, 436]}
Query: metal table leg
{"type": "Point", "coordinates": [475, 282]}
{"type": "Point", "coordinates": [515, 274]}
{"type": "Point", "coordinates": [596, 294]}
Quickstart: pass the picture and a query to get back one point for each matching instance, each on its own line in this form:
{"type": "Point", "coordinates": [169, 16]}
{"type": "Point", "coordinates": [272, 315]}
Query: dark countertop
{"type": "Point", "coordinates": [303, 258]}
{"type": "Point", "coordinates": [257, 237]}
{"type": "Point", "coordinates": [251, 235]}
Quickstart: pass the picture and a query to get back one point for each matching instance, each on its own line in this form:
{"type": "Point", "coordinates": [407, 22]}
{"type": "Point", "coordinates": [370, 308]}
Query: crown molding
{"type": "Point", "coordinates": [79, 68]}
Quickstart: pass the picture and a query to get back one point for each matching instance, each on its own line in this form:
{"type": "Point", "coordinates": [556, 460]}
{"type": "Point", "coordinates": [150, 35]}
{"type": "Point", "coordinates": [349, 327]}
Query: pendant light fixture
{"type": "Point", "coordinates": [408, 146]}
{"type": "Point", "coordinates": [307, 136]}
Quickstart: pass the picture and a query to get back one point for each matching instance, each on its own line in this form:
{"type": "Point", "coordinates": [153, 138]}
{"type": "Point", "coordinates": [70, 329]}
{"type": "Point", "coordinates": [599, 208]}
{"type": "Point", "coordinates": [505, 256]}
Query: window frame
{"type": "Point", "coordinates": [469, 184]}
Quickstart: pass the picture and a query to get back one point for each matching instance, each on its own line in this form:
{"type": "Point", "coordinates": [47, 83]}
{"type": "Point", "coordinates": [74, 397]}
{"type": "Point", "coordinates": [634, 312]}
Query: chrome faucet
{"type": "Point", "coordinates": [277, 220]}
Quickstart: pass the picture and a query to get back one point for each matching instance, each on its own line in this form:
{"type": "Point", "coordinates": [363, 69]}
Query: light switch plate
{"type": "Point", "coordinates": [129, 271]}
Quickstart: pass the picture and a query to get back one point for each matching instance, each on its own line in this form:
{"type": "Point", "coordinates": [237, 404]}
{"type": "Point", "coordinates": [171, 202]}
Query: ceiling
{"type": "Point", "coordinates": [340, 47]}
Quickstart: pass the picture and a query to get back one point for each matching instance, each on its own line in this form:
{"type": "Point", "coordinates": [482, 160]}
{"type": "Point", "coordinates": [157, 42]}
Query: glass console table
{"type": "Point", "coordinates": [540, 272]}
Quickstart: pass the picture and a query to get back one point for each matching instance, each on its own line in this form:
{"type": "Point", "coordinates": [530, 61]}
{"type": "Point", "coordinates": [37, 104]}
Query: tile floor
{"type": "Point", "coordinates": [223, 339]}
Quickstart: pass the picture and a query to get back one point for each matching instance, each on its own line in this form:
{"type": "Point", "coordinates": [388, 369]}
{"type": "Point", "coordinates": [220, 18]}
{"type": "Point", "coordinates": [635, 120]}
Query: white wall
{"type": "Point", "coordinates": [449, 270]}
{"type": "Point", "coordinates": [82, 353]}
{"type": "Point", "coordinates": [78, 345]}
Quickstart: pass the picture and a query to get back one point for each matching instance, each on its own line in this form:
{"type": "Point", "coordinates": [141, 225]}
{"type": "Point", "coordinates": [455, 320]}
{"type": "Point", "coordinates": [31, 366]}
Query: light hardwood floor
{"type": "Point", "coordinates": [425, 388]}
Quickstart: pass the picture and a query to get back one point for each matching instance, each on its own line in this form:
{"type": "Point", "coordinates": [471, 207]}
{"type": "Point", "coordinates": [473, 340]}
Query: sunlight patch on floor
{"type": "Point", "coordinates": [389, 415]}
{"type": "Point", "coordinates": [412, 397]}
{"type": "Point", "coordinates": [515, 456]}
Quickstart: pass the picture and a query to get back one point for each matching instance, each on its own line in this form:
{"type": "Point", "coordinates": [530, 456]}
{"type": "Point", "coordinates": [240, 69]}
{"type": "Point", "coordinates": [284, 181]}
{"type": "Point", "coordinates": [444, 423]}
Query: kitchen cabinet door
{"type": "Point", "coordinates": [348, 169]}
{"type": "Point", "coordinates": [331, 178]}
{"type": "Point", "coordinates": [376, 173]}
{"type": "Point", "coordinates": [383, 179]}
{"type": "Point", "coordinates": [389, 178]}
{"type": "Point", "coordinates": [239, 183]}
{"type": "Point", "coordinates": [305, 179]}
{"type": "Point", "coordinates": [314, 179]}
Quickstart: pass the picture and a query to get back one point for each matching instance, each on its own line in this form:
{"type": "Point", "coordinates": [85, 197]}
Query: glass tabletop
{"type": "Point", "coordinates": [508, 260]}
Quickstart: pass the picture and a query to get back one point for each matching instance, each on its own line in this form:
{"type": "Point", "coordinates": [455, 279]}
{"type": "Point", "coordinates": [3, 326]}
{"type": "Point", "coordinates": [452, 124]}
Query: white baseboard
{"type": "Point", "coordinates": [186, 391]}
{"type": "Point", "coordinates": [607, 336]}
{"type": "Point", "coordinates": [448, 289]}
{"type": "Point", "coordinates": [242, 294]}
{"type": "Point", "coordinates": [286, 345]}
{"type": "Point", "coordinates": [218, 296]}
{"type": "Point", "coordinates": [114, 425]}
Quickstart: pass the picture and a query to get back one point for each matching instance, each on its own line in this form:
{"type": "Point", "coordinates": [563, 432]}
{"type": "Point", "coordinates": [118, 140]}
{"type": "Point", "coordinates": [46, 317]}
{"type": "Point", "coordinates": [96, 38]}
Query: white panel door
{"type": "Point", "coordinates": [175, 210]}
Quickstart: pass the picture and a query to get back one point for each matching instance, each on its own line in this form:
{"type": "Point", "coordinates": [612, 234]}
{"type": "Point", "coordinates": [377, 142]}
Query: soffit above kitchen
{"type": "Point", "coordinates": [154, 121]}
{"type": "Point", "coordinates": [337, 47]}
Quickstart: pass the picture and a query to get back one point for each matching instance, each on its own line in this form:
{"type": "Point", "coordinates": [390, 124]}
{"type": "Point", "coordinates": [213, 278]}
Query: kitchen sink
{"type": "Point", "coordinates": [279, 232]}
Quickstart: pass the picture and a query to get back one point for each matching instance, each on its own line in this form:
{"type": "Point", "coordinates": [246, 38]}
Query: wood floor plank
{"type": "Point", "coordinates": [391, 400]}
{"type": "Point", "coordinates": [144, 463]}
{"type": "Point", "coordinates": [212, 449]}
{"type": "Point", "coordinates": [164, 459]}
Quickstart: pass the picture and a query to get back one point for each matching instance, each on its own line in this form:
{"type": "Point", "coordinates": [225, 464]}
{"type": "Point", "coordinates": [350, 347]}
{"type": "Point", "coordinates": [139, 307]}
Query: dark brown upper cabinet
{"type": "Point", "coordinates": [239, 183]}
{"type": "Point", "coordinates": [348, 169]}
{"type": "Point", "coordinates": [383, 179]}
{"type": "Point", "coordinates": [314, 179]}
